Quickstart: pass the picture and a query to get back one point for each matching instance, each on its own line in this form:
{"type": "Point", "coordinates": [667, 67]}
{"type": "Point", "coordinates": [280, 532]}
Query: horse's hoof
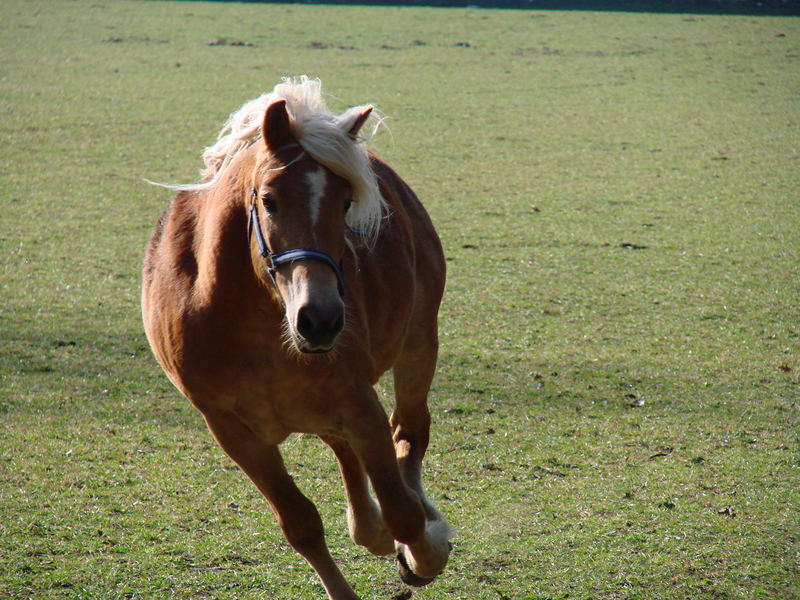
{"type": "Point", "coordinates": [408, 576]}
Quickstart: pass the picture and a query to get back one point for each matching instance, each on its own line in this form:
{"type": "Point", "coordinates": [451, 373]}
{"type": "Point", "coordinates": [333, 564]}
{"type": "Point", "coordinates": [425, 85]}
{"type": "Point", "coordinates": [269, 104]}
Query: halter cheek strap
{"type": "Point", "coordinates": [275, 260]}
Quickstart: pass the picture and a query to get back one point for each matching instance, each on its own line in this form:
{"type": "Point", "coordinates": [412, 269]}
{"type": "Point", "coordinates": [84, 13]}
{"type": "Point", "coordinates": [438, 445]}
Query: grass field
{"type": "Point", "coordinates": [617, 405]}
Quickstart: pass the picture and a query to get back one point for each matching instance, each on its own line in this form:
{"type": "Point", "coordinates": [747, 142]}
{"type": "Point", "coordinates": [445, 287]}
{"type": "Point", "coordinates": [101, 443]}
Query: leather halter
{"type": "Point", "coordinates": [275, 260]}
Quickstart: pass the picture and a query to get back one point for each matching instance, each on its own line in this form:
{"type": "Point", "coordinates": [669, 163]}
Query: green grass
{"type": "Point", "coordinates": [616, 408]}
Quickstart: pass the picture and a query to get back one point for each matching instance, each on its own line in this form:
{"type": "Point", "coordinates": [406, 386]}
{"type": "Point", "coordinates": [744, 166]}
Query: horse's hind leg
{"type": "Point", "coordinates": [410, 422]}
{"type": "Point", "coordinates": [413, 373]}
{"type": "Point", "coordinates": [297, 515]}
{"type": "Point", "coordinates": [364, 518]}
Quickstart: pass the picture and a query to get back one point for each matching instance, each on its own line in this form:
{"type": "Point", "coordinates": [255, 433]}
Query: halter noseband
{"type": "Point", "coordinates": [275, 260]}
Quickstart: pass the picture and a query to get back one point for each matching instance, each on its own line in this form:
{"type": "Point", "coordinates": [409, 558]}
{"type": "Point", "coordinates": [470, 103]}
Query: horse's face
{"type": "Point", "coordinates": [301, 205]}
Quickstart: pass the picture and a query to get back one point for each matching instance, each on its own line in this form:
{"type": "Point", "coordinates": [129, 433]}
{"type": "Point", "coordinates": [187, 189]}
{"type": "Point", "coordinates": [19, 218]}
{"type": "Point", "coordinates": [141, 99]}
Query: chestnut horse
{"type": "Point", "coordinates": [277, 291]}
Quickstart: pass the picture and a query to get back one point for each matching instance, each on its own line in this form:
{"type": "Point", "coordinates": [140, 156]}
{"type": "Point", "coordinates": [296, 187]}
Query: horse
{"type": "Point", "coordinates": [275, 293]}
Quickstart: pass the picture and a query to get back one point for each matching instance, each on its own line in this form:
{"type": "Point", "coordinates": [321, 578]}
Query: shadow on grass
{"type": "Point", "coordinates": [704, 7]}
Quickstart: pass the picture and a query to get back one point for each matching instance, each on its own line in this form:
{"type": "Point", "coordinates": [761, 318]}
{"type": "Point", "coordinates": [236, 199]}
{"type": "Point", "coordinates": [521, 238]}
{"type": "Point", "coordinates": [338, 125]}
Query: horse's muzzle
{"type": "Point", "coordinates": [319, 325]}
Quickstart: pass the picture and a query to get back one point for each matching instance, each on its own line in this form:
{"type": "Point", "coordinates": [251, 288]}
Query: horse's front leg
{"type": "Point", "coordinates": [296, 514]}
{"type": "Point", "coordinates": [422, 541]}
{"type": "Point", "coordinates": [364, 518]}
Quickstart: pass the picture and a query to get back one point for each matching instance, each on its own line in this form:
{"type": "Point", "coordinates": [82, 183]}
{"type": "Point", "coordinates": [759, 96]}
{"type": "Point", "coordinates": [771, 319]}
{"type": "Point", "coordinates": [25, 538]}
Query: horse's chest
{"type": "Point", "coordinates": [291, 403]}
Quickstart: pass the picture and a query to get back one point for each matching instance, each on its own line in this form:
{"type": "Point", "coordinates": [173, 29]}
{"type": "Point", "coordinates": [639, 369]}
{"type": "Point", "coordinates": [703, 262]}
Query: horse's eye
{"type": "Point", "coordinates": [347, 204]}
{"type": "Point", "coordinates": [268, 200]}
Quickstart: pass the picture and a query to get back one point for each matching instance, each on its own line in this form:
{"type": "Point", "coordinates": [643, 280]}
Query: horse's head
{"type": "Point", "coordinates": [297, 217]}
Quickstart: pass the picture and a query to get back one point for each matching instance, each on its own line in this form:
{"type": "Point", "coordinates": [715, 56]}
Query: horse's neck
{"type": "Point", "coordinates": [225, 269]}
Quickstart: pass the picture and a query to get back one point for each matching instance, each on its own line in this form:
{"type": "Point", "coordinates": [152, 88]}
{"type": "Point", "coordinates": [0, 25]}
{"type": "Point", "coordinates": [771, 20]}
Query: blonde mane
{"type": "Point", "coordinates": [320, 133]}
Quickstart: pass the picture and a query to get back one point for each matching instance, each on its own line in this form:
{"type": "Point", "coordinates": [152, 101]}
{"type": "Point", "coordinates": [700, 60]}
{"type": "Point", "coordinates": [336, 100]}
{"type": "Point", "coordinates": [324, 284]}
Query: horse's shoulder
{"type": "Point", "coordinates": [171, 250]}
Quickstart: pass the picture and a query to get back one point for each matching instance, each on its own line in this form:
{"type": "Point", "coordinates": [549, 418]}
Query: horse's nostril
{"type": "Point", "coordinates": [338, 324]}
{"type": "Point", "coordinates": [305, 323]}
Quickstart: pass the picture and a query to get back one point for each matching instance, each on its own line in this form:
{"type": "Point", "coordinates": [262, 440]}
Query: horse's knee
{"type": "Point", "coordinates": [303, 528]}
{"type": "Point", "coordinates": [306, 540]}
{"type": "Point", "coordinates": [367, 530]}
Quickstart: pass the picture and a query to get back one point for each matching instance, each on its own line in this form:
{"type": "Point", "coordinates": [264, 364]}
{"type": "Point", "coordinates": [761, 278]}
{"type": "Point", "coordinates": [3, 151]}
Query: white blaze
{"type": "Point", "coordinates": [316, 184]}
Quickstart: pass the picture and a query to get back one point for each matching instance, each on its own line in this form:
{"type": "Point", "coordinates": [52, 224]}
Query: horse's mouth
{"type": "Point", "coordinates": [306, 350]}
{"type": "Point", "coordinates": [310, 347]}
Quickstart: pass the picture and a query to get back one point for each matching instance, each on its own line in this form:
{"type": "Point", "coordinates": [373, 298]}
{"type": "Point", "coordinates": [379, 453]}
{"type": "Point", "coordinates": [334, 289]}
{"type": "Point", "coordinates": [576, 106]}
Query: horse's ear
{"type": "Point", "coordinates": [276, 130]}
{"type": "Point", "coordinates": [359, 122]}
